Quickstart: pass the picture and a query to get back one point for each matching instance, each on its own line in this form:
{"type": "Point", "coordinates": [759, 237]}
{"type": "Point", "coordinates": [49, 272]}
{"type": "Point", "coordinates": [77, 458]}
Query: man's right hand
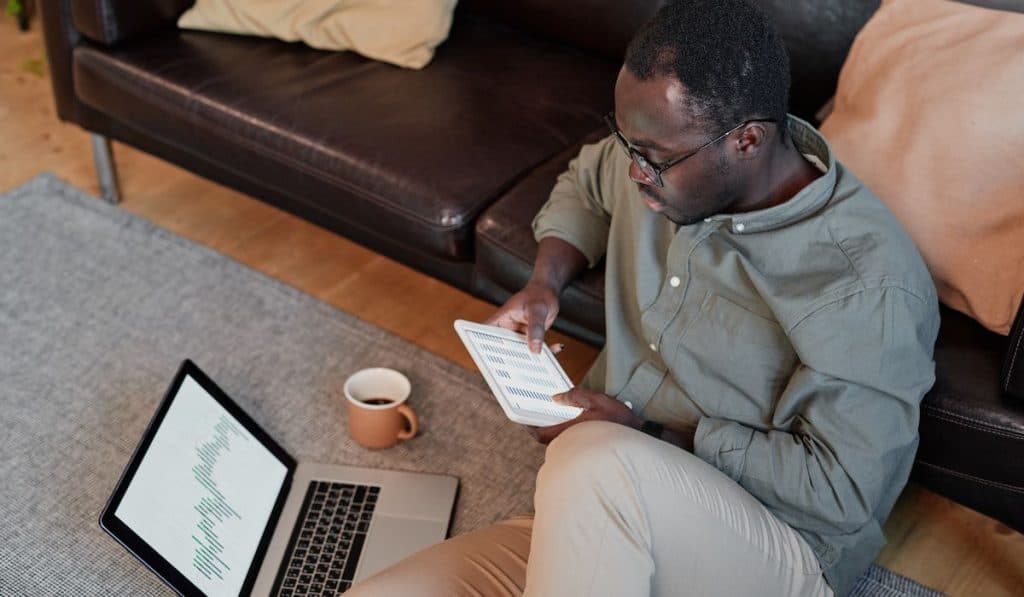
{"type": "Point", "coordinates": [530, 311]}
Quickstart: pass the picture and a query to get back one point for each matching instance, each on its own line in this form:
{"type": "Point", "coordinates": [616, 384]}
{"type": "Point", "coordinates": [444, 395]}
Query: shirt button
{"type": "Point", "coordinates": [654, 347]}
{"type": "Point", "coordinates": [740, 227]}
{"type": "Point", "coordinates": [674, 281]}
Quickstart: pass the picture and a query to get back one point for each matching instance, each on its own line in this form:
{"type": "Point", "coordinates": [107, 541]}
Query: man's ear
{"type": "Point", "coordinates": [749, 140]}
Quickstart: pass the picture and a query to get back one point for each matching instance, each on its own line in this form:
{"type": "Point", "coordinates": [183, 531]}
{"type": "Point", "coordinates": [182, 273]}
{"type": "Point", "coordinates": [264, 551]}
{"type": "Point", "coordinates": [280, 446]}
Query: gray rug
{"type": "Point", "coordinates": [97, 310]}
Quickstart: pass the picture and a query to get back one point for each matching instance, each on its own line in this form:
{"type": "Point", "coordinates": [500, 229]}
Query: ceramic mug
{"type": "Point", "coordinates": [377, 414]}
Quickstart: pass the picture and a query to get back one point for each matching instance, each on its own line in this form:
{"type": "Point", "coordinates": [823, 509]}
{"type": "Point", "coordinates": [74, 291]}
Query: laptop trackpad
{"type": "Point", "coordinates": [393, 539]}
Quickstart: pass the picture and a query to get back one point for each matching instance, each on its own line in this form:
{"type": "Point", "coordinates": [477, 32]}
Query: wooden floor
{"type": "Point", "coordinates": [931, 539]}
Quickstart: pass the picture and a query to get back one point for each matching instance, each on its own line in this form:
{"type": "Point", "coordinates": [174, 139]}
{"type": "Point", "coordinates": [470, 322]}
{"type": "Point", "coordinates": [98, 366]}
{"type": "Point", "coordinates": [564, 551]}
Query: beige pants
{"type": "Point", "coordinates": [618, 513]}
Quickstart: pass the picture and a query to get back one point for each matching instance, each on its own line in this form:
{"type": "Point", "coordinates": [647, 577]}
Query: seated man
{"type": "Point", "coordinates": [753, 415]}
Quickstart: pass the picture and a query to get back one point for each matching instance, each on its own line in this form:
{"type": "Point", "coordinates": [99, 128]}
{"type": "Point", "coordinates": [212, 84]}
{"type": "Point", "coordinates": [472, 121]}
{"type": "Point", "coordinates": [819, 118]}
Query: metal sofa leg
{"type": "Point", "coordinates": [105, 170]}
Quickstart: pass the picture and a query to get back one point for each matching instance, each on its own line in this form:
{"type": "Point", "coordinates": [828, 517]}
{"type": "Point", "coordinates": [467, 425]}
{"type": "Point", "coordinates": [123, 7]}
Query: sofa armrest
{"type": "Point", "coordinates": [61, 37]}
{"type": "Point", "coordinates": [1012, 378]}
{"type": "Point", "coordinates": [112, 21]}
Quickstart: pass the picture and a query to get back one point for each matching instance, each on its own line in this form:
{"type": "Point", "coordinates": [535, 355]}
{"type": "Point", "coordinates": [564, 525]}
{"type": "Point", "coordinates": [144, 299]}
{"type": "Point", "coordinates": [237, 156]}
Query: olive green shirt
{"type": "Point", "coordinates": [797, 340]}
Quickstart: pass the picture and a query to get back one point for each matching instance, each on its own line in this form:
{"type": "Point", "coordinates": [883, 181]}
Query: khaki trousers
{"type": "Point", "coordinates": [618, 513]}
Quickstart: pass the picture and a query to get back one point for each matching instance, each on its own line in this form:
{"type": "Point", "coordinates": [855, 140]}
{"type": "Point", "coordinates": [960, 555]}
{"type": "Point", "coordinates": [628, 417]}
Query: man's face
{"type": "Point", "coordinates": [652, 116]}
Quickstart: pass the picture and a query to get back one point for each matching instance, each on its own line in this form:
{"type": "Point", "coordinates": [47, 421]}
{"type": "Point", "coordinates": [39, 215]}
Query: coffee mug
{"type": "Point", "coordinates": [377, 414]}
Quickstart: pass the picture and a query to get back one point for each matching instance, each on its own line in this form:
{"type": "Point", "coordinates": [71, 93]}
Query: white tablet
{"type": "Point", "coordinates": [523, 382]}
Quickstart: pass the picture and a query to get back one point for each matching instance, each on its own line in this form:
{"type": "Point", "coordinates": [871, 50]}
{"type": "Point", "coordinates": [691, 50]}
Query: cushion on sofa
{"type": "Point", "coordinates": [401, 33]}
{"type": "Point", "coordinates": [928, 114]}
{"type": "Point", "coordinates": [970, 431]}
{"type": "Point", "coordinates": [413, 155]}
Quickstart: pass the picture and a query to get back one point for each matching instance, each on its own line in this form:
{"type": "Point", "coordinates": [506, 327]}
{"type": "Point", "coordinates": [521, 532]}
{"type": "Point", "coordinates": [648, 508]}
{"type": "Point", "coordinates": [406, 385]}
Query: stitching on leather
{"type": "Point", "coordinates": [971, 423]}
{"type": "Point", "coordinates": [1013, 358]}
{"type": "Point", "coordinates": [298, 165]}
{"type": "Point", "coordinates": [997, 484]}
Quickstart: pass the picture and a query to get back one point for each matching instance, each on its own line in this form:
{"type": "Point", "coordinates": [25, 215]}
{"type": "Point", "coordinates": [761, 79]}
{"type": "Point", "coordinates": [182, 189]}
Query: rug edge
{"type": "Point", "coordinates": [49, 182]}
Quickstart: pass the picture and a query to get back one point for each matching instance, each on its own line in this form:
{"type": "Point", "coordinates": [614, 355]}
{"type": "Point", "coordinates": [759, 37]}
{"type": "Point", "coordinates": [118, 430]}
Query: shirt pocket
{"type": "Point", "coordinates": [733, 362]}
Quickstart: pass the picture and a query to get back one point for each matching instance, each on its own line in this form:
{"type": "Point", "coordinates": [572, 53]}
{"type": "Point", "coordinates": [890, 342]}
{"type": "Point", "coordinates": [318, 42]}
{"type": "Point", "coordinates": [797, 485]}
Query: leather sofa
{"type": "Point", "coordinates": [444, 168]}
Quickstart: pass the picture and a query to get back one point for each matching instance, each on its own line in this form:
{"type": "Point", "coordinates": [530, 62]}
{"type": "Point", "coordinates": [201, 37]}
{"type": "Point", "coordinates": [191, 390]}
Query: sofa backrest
{"type": "Point", "coordinates": [817, 33]}
{"type": "Point", "coordinates": [603, 26]}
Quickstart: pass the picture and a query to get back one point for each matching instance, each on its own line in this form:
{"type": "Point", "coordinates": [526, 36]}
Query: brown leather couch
{"type": "Point", "coordinates": [444, 168]}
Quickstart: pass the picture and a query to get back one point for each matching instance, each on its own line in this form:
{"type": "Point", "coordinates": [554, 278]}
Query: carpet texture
{"type": "Point", "coordinates": [97, 310]}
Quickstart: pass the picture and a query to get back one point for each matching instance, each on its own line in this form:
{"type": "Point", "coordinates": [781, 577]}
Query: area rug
{"type": "Point", "coordinates": [97, 310]}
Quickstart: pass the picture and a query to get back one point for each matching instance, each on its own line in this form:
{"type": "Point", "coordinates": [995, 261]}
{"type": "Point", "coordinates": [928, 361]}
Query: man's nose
{"type": "Point", "coordinates": [636, 174]}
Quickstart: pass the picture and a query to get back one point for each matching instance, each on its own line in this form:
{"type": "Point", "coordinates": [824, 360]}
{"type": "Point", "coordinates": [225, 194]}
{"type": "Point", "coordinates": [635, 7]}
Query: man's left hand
{"type": "Point", "coordinates": [596, 407]}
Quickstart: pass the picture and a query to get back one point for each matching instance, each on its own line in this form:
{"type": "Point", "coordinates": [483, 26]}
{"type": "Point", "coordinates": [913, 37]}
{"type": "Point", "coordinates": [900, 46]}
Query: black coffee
{"type": "Point", "coordinates": [377, 401]}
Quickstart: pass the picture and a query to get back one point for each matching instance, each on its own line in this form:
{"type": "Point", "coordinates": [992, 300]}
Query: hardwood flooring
{"type": "Point", "coordinates": [931, 539]}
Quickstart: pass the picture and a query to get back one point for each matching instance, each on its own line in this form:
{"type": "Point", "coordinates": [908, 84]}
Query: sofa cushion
{"type": "Point", "coordinates": [927, 114]}
{"type": "Point", "coordinates": [414, 155]}
{"type": "Point", "coordinates": [404, 34]}
{"type": "Point", "coordinates": [971, 433]}
{"type": "Point", "coordinates": [506, 249]}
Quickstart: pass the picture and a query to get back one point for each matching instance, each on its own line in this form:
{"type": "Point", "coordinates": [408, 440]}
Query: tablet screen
{"type": "Point", "coordinates": [526, 380]}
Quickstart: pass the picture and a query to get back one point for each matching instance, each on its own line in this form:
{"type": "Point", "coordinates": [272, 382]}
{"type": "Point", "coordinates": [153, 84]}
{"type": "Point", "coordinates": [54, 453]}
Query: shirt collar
{"type": "Point", "coordinates": [810, 199]}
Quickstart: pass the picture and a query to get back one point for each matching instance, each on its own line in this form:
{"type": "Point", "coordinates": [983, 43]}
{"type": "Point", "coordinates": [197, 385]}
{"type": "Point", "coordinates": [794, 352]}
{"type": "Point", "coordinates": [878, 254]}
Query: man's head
{"type": "Point", "coordinates": [706, 74]}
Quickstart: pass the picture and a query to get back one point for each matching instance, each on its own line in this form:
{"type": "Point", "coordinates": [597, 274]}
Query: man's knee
{"type": "Point", "coordinates": [590, 454]}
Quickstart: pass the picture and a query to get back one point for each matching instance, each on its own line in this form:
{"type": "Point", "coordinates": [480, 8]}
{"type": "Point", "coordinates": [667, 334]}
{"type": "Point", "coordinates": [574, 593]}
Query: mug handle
{"type": "Point", "coordinates": [414, 423]}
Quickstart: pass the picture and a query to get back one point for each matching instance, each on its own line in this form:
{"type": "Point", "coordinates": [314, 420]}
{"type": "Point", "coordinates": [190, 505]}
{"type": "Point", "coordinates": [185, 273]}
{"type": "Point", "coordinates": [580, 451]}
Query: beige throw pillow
{"type": "Point", "coordinates": [929, 113]}
{"type": "Point", "coordinates": [401, 32]}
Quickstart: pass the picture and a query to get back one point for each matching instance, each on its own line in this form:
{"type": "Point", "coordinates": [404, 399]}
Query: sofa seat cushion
{"type": "Point", "coordinates": [971, 432]}
{"type": "Point", "coordinates": [415, 155]}
{"type": "Point", "coordinates": [506, 249]}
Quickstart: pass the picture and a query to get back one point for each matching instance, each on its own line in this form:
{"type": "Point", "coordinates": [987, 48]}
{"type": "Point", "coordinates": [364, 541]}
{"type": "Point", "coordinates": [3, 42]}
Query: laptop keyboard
{"type": "Point", "coordinates": [324, 549]}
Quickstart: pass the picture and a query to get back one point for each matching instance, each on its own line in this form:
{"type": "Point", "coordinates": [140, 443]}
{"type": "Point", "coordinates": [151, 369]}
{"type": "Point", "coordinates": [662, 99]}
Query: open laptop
{"type": "Point", "coordinates": [214, 506]}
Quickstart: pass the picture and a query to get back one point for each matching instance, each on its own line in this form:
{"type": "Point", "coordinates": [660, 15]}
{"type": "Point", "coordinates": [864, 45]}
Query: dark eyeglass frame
{"type": "Point", "coordinates": [652, 170]}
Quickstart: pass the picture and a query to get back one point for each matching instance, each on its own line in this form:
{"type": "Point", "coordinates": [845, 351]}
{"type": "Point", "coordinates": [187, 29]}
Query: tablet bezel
{"type": "Point", "coordinates": [514, 414]}
{"type": "Point", "coordinates": [137, 546]}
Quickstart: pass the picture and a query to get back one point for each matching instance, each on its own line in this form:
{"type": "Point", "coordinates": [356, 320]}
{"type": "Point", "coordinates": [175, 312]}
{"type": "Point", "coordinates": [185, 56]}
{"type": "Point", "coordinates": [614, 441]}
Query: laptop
{"type": "Point", "coordinates": [215, 507]}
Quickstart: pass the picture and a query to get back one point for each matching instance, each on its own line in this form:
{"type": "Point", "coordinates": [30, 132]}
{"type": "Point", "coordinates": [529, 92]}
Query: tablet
{"type": "Point", "coordinates": [522, 381]}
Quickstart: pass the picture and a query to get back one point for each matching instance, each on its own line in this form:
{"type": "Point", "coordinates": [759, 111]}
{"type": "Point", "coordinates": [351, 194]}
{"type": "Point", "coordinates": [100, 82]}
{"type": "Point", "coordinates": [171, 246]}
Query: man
{"type": "Point", "coordinates": [753, 415]}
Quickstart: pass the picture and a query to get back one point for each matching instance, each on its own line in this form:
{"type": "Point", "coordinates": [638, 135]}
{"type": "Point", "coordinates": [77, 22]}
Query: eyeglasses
{"type": "Point", "coordinates": [654, 171]}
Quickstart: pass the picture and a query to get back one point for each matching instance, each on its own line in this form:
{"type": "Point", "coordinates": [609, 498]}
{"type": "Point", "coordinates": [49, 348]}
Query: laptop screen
{"type": "Point", "coordinates": [203, 492]}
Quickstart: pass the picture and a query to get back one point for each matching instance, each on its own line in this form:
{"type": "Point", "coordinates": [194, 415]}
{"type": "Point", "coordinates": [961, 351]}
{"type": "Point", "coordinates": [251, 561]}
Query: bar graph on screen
{"type": "Point", "coordinates": [522, 381]}
{"type": "Point", "coordinates": [213, 508]}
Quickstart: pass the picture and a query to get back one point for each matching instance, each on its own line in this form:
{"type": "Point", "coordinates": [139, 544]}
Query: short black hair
{"type": "Point", "coordinates": [725, 52]}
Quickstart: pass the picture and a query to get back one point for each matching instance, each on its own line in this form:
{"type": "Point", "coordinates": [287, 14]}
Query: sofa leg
{"type": "Point", "coordinates": [105, 170]}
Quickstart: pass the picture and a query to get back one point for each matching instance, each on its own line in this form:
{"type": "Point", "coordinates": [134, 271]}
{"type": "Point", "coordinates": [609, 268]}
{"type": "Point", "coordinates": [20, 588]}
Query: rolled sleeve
{"type": "Point", "coordinates": [578, 210]}
{"type": "Point", "coordinates": [723, 444]}
{"type": "Point", "coordinates": [844, 432]}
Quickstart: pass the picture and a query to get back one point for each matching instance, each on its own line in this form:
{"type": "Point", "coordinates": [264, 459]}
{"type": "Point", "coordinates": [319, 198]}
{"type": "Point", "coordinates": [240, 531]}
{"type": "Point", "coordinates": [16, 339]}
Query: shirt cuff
{"type": "Point", "coordinates": [723, 444]}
